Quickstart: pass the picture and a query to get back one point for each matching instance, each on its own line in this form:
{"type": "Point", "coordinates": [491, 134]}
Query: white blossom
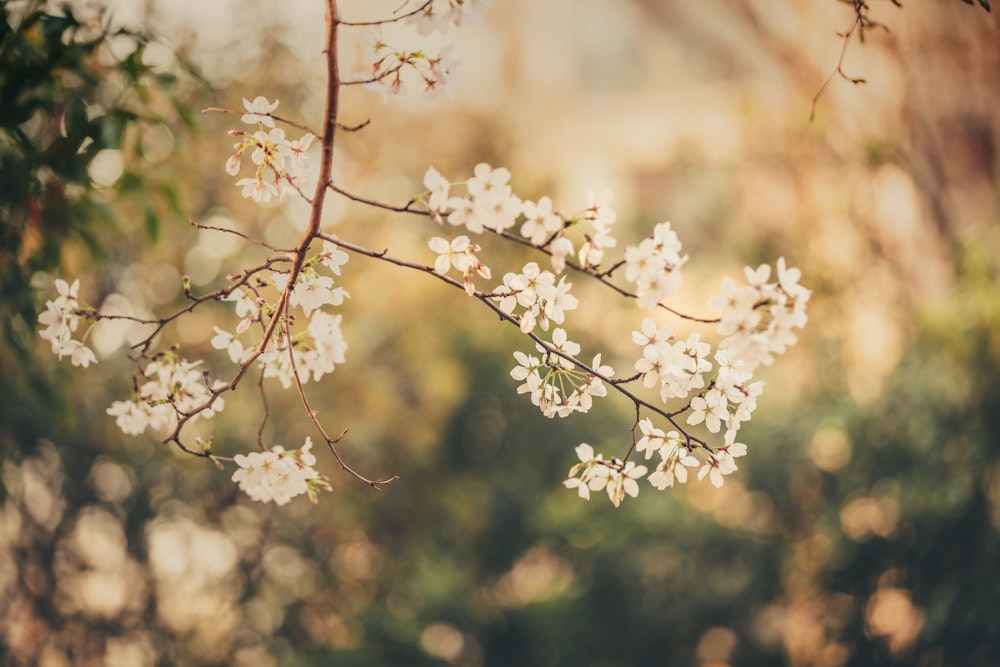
{"type": "Point", "coordinates": [276, 475]}
{"type": "Point", "coordinates": [259, 111]}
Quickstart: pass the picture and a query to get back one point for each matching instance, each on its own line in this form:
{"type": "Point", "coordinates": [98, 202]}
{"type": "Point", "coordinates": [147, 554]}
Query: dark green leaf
{"type": "Point", "coordinates": [151, 222]}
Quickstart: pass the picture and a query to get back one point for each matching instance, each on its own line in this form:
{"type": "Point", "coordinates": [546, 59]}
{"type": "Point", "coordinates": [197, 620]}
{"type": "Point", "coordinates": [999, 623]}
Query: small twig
{"type": "Point", "coordinates": [374, 483]}
{"type": "Point", "coordinates": [376, 79]}
{"type": "Point", "coordinates": [353, 128]}
{"type": "Point", "coordinates": [280, 119]}
{"type": "Point", "coordinates": [243, 236]}
{"type": "Point", "coordinates": [414, 12]}
{"type": "Point", "coordinates": [377, 204]}
{"type": "Point", "coordinates": [144, 345]}
{"type": "Point", "coordinates": [267, 412]}
{"type": "Point", "coordinates": [860, 23]}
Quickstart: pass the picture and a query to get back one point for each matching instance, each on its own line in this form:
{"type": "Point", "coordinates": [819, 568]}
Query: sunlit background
{"type": "Point", "coordinates": [862, 527]}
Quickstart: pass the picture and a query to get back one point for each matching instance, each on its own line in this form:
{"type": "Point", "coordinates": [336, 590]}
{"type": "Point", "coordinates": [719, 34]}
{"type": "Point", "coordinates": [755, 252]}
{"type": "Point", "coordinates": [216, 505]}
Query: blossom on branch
{"type": "Point", "coordinates": [275, 475]}
{"type": "Point", "coordinates": [439, 14]}
{"type": "Point", "coordinates": [461, 255]}
{"type": "Point", "coordinates": [384, 66]}
{"type": "Point", "coordinates": [654, 266]}
{"type": "Point", "coordinates": [535, 291]}
{"type": "Point", "coordinates": [62, 317]}
{"type": "Point", "coordinates": [701, 389]}
{"type": "Point", "coordinates": [174, 388]}
{"type": "Point", "coordinates": [759, 320]}
{"type": "Point", "coordinates": [279, 162]}
{"type": "Point", "coordinates": [259, 111]}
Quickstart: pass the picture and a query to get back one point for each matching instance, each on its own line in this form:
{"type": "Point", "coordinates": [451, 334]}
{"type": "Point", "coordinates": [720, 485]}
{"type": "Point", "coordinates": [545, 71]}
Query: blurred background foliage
{"type": "Point", "coordinates": [862, 529]}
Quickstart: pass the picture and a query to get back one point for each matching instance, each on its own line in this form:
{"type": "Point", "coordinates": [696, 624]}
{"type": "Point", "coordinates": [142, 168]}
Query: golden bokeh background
{"type": "Point", "coordinates": [863, 529]}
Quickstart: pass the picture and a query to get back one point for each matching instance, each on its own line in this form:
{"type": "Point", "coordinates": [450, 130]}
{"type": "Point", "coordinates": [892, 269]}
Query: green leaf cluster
{"type": "Point", "coordinates": [70, 88]}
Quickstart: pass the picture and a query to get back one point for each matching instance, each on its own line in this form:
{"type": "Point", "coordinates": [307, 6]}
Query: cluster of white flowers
{"type": "Point", "coordinates": [279, 162]}
{"type": "Point", "coordinates": [676, 457]}
{"type": "Point", "coordinates": [674, 366]}
{"type": "Point", "coordinates": [460, 255]}
{"type": "Point", "coordinates": [677, 368]}
{"type": "Point", "coordinates": [534, 290]}
{"type": "Point", "coordinates": [174, 386]}
{"type": "Point", "coordinates": [62, 317]}
{"type": "Point", "coordinates": [756, 322]}
{"type": "Point", "coordinates": [655, 266]}
{"type": "Point", "coordinates": [316, 350]}
{"type": "Point", "coordinates": [384, 67]}
{"type": "Point", "coordinates": [703, 393]}
{"type": "Point", "coordinates": [275, 475]}
{"type": "Point", "coordinates": [557, 386]}
{"type": "Point", "coordinates": [490, 204]}
{"type": "Point", "coordinates": [616, 477]}
{"type": "Point", "coordinates": [759, 319]}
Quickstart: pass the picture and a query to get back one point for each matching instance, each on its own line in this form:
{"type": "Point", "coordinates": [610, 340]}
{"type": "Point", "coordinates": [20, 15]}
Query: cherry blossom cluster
{"type": "Point", "coordinates": [170, 389]}
{"type": "Point", "coordinates": [315, 350]}
{"type": "Point", "coordinates": [173, 386]}
{"type": "Point", "coordinates": [759, 319]}
{"type": "Point", "coordinates": [62, 317]}
{"type": "Point", "coordinates": [556, 385]}
{"type": "Point", "coordinates": [616, 477]}
{"type": "Point", "coordinates": [714, 389]}
{"type": "Point", "coordinates": [278, 161]}
{"type": "Point", "coordinates": [459, 254]}
{"type": "Point", "coordinates": [533, 298]}
{"type": "Point", "coordinates": [654, 266]}
{"type": "Point", "coordinates": [385, 66]}
{"type": "Point", "coordinates": [691, 400]}
{"type": "Point", "coordinates": [275, 475]}
{"type": "Point", "coordinates": [489, 204]}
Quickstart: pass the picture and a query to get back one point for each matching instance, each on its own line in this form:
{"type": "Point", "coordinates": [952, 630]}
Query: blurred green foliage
{"type": "Point", "coordinates": [75, 97]}
{"type": "Point", "coordinates": [69, 90]}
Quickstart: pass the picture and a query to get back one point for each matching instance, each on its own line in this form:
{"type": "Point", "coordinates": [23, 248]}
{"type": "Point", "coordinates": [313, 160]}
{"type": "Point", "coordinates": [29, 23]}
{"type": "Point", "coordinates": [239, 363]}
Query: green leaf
{"type": "Point", "coordinates": [129, 182]}
{"type": "Point", "coordinates": [173, 200]}
{"type": "Point", "coordinates": [151, 222]}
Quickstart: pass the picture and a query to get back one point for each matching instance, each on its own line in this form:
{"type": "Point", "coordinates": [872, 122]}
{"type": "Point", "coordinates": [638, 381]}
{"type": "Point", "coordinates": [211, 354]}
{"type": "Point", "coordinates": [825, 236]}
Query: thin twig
{"type": "Point", "coordinates": [280, 119]}
{"type": "Point", "coordinates": [414, 12]}
{"type": "Point", "coordinates": [234, 232]}
{"type": "Point", "coordinates": [860, 23]}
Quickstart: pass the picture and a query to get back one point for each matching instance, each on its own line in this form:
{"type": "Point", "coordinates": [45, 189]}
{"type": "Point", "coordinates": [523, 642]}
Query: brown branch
{"type": "Point", "coordinates": [484, 298]}
{"type": "Point", "coordinates": [267, 412]}
{"type": "Point", "coordinates": [144, 345]}
{"type": "Point", "coordinates": [377, 204]}
{"type": "Point", "coordinates": [600, 276]}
